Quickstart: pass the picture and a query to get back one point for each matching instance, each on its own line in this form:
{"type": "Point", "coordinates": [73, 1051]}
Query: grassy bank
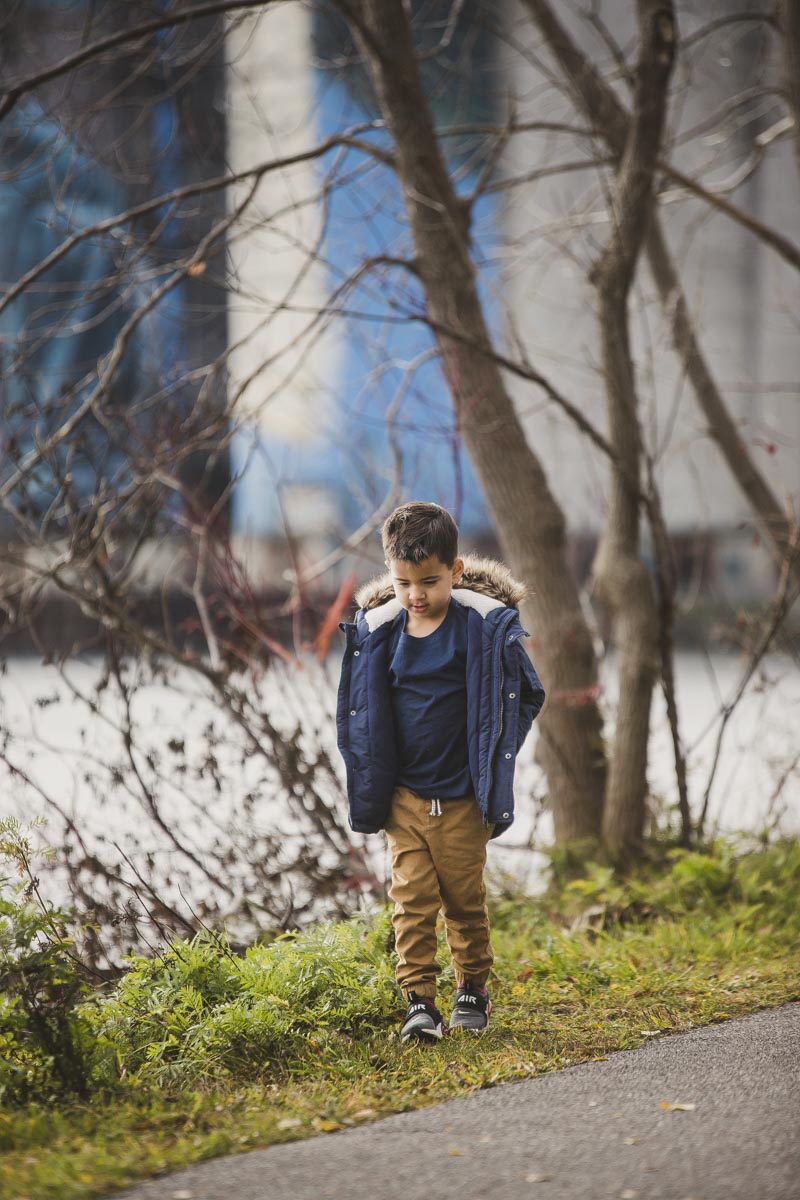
{"type": "Point", "coordinates": [200, 1053]}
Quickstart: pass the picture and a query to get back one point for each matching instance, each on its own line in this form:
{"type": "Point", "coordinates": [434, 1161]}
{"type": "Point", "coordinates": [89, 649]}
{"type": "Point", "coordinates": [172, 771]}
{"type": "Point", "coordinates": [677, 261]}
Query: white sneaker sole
{"type": "Point", "coordinates": [424, 1035]}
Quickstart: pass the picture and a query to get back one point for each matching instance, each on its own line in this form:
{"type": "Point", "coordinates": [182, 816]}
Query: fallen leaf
{"type": "Point", "coordinates": [365, 1112]}
{"type": "Point", "coordinates": [665, 1104]}
{"type": "Point", "coordinates": [454, 1150]}
{"type": "Point", "coordinates": [632, 1141]}
{"type": "Point", "coordinates": [649, 1032]}
{"type": "Point", "coordinates": [538, 1178]}
{"type": "Point", "coordinates": [327, 1126]}
{"type": "Point", "coordinates": [628, 1194]}
{"type": "Point", "coordinates": [289, 1123]}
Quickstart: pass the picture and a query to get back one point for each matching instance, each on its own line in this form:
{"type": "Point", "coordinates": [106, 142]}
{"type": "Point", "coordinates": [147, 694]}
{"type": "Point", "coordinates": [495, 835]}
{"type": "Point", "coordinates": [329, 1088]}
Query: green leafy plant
{"type": "Point", "coordinates": [198, 1012]}
{"type": "Point", "coordinates": [46, 1044]}
{"type": "Point", "coordinates": [679, 881]}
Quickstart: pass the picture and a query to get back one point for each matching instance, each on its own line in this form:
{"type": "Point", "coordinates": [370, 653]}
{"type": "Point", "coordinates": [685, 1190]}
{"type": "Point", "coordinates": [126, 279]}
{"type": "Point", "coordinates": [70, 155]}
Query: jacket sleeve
{"type": "Point", "coordinates": [531, 697]}
{"type": "Point", "coordinates": [361, 727]}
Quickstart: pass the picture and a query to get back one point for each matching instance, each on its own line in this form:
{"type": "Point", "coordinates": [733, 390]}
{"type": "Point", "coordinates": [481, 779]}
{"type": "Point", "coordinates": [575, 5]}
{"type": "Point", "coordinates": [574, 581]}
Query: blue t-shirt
{"type": "Point", "coordinates": [428, 688]}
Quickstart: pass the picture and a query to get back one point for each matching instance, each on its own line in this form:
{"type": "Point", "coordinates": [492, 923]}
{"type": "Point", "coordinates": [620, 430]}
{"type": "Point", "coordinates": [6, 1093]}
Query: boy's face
{"type": "Point", "coordinates": [424, 588]}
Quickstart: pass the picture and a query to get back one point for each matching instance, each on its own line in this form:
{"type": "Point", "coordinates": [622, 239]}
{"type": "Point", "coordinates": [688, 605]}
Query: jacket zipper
{"type": "Point", "coordinates": [499, 731]}
{"type": "Point", "coordinates": [436, 808]}
{"type": "Point", "coordinates": [494, 747]}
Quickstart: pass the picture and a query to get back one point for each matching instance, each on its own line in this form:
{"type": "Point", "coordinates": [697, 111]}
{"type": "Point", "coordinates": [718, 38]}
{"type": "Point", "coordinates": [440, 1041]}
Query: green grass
{"type": "Point", "coordinates": [201, 1053]}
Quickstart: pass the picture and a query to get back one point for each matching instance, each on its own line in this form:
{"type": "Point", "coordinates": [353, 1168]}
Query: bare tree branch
{"type": "Point", "coordinates": [189, 191]}
{"type": "Point", "coordinates": [600, 105]}
{"type": "Point", "coordinates": [125, 37]}
{"type": "Point", "coordinates": [782, 245]}
{"type": "Point", "coordinates": [745, 17]}
{"type": "Point", "coordinates": [785, 597]}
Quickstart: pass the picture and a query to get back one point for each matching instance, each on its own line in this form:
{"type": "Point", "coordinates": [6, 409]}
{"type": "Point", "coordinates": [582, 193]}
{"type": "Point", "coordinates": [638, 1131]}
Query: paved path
{"type": "Point", "coordinates": [586, 1133]}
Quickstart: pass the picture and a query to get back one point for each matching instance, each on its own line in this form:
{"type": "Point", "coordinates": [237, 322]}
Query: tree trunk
{"type": "Point", "coordinates": [790, 27]}
{"type": "Point", "coordinates": [530, 523]}
{"type": "Point", "coordinates": [621, 579]}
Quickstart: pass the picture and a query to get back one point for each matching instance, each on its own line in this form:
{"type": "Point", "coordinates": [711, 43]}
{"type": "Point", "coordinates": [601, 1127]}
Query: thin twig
{"type": "Point", "coordinates": [783, 601]}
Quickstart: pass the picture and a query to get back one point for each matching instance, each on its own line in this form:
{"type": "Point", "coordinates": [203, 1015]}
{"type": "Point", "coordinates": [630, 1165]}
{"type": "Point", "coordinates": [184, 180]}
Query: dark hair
{"type": "Point", "coordinates": [417, 530]}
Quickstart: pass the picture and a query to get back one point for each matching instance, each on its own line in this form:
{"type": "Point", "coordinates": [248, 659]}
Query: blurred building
{"type": "Point", "coordinates": [729, 129]}
{"type": "Point", "coordinates": [324, 438]}
{"type": "Point", "coordinates": [345, 413]}
{"type": "Point", "coordinates": [78, 152]}
{"type": "Point", "coordinates": [338, 405]}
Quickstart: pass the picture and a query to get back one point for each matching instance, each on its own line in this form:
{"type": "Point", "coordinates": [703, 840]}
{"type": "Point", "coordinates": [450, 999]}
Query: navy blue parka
{"type": "Point", "coordinates": [504, 694]}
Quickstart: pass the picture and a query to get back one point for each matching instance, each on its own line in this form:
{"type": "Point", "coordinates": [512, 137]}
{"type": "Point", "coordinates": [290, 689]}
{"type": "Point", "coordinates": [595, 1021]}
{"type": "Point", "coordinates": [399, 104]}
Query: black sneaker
{"type": "Point", "coordinates": [471, 1009]}
{"type": "Point", "coordinates": [423, 1020]}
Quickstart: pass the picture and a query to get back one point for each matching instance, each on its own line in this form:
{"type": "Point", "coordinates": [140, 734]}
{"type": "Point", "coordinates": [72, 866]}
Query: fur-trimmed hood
{"type": "Point", "coordinates": [486, 576]}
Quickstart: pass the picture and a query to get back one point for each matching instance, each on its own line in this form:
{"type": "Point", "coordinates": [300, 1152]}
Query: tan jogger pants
{"type": "Point", "coordinates": [438, 864]}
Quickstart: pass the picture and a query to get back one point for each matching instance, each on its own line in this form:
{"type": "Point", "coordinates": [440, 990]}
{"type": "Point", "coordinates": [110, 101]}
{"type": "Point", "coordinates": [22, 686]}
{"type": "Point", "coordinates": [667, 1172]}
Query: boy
{"type": "Point", "coordinates": [436, 698]}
